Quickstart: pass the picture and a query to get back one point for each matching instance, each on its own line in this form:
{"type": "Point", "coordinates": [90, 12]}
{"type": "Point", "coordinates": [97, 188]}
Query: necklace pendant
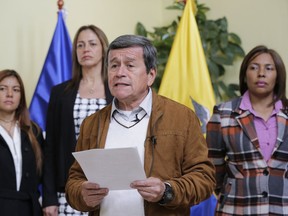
{"type": "Point", "coordinates": [91, 91]}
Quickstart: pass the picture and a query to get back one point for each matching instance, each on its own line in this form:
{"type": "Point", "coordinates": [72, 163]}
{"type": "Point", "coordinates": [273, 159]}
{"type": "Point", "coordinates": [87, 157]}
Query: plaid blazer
{"type": "Point", "coordinates": [246, 183]}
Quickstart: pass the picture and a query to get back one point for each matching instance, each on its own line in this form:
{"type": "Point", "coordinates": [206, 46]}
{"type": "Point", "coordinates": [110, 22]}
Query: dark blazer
{"type": "Point", "coordinates": [25, 201]}
{"type": "Point", "coordinates": [60, 140]}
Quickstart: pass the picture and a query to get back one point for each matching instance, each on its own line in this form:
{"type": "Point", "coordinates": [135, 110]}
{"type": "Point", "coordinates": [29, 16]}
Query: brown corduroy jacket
{"type": "Point", "coordinates": [180, 157]}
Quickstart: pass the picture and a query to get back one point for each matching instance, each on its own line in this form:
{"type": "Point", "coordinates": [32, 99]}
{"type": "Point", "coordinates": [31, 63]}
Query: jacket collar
{"type": "Point", "coordinates": [246, 122]}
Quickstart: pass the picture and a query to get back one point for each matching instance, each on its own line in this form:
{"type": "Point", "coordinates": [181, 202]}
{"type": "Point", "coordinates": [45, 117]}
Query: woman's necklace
{"type": "Point", "coordinates": [6, 121]}
{"type": "Point", "coordinates": [89, 88]}
{"type": "Point", "coordinates": [8, 125]}
{"type": "Point", "coordinates": [91, 91]}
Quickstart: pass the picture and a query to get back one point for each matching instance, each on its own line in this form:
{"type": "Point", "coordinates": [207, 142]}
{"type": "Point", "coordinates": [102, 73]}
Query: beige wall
{"type": "Point", "coordinates": [27, 26]}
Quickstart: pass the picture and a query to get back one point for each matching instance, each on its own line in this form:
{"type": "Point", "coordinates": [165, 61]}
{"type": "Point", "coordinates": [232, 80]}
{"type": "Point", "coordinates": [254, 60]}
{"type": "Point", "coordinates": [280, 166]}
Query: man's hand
{"type": "Point", "coordinates": [151, 189]}
{"type": "Point", "coordinates": [92, 193]}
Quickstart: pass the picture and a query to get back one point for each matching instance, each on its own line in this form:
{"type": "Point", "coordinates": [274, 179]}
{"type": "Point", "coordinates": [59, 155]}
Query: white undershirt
{"type": "Point", "coordinates": [15, 149]}
{"type": "Point", "coordinates": [127, 202]}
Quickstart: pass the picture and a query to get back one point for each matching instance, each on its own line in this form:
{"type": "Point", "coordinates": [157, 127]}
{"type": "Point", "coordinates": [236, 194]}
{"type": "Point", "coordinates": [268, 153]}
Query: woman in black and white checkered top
{"type": "Point", "coordinates": [70, 102]}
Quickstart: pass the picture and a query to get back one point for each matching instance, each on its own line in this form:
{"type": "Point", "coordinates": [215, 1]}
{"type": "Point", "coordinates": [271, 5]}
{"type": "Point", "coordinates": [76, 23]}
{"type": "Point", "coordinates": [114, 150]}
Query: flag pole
{"type": "Point", "coordinates": [57, 68]}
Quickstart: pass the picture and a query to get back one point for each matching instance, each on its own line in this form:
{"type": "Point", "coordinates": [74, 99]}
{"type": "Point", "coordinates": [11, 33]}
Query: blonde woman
{"type": "Point", "coordinates": [70, 102]}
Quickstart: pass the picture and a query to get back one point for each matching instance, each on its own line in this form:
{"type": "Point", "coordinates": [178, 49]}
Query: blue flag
{"type": "Point", "coordinates": [204, 208]}
{"type": "Point", "coordinates": [57, 68]}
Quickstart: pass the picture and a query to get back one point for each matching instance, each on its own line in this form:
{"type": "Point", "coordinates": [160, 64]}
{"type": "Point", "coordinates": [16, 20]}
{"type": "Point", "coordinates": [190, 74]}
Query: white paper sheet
{"type": "Point", "coordinates": [113, 168]}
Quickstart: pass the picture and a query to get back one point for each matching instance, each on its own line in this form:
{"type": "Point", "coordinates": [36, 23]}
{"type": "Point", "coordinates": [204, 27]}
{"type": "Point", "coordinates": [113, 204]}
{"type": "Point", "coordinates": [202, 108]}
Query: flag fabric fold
{"type": "Point", "coordinates": [57, 68]}
{"type": "Point", "coordinates": [186, 79]}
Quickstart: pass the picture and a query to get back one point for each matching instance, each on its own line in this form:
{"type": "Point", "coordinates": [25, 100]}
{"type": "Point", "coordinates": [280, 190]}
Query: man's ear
{"type": "Point", "coordinates": [151, 76]}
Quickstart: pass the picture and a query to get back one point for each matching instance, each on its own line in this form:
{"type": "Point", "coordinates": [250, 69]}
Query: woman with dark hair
{"type": "Point", "coordinates": [248, 142]}
{"type": "Point", "coordinates": [70, 102]}
{"type": "Point", "coordinates": [21, 144]}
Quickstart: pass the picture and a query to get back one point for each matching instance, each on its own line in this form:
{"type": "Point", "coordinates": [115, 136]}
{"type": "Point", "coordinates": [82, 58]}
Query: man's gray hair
{"type": "Point", "coordinates": [126, 41]}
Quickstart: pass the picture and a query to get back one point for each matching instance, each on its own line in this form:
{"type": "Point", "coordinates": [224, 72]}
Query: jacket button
{"type": "Point", "coordinates": [27, 174]}
{"type": "Point", "coordinates": [264, 194]}
{"type": "Point", "coordinates": [266, 172]}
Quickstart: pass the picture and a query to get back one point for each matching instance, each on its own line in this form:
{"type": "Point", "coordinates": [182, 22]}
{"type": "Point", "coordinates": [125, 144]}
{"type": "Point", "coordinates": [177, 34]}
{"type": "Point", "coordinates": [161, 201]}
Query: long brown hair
{"type": "Point", "coordinates": [22, 116]}
{"type": "Point", "coordinates": [76, 67]}
{"type": "Point", "coordinates": [280, 86]}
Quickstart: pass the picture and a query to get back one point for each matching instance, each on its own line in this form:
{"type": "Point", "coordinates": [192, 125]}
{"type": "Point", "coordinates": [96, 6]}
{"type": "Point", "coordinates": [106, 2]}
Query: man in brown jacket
{"type": "Point", "coordinates": [167, 135]}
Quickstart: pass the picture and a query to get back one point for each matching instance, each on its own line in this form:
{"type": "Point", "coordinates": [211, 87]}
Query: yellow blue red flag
{"type": "Point", "coordinates": [186, 79]}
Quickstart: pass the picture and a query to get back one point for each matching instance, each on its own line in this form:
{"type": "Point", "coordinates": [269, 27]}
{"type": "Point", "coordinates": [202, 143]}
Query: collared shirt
{"type": "Point", "coordinates": [14, 144]}
{"type": "Point", "coordinates": [146, 104]}
{"type": "Point", "coordinates": [266, 130]}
